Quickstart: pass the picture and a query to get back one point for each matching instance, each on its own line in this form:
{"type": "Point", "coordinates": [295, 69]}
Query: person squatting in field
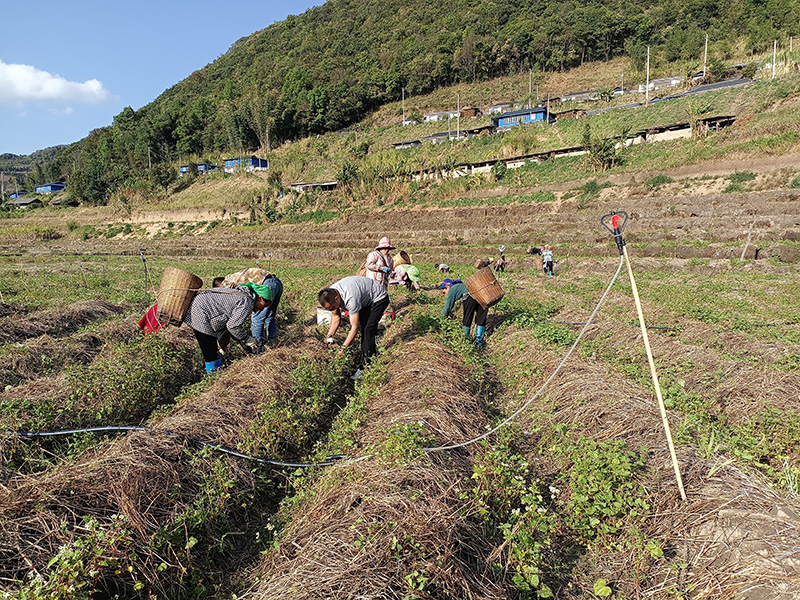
{"type": "Point", "coordinates": [218, 314]}
{"type": "Point", "coordinates": [365, 300]}
{"type": "Point", "coordinates": [407, 275]}
{"type": "Point", "coordinates": [455, 290]}
{"type": "Point", "coordinates": [263, 320]}
{"type": "Point", "coordinates": [379, 263]}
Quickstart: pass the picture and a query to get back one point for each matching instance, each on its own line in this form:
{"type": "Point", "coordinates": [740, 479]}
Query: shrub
{"type": "Point", "coordinates": [656, 182]}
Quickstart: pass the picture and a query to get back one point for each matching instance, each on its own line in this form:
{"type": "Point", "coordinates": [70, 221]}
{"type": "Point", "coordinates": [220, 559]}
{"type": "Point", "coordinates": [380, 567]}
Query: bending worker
{"type": "Point", "coordinates": [456, 290]}
{"type": "Point", "coordinates": [263, 320]}
{"type": "Point", "coordinates": [218, 314]}
{"type": "Point", "coordinates": [366, 301]}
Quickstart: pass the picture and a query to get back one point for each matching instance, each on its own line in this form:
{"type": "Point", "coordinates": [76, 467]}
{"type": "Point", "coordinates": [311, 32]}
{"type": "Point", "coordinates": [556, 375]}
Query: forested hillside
{"type": "Point", "coordinates": [325, 69]}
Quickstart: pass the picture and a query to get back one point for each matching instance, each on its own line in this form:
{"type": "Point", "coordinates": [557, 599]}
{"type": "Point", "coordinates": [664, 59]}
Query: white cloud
{"type": "Point", "coordinates": [23, 83]}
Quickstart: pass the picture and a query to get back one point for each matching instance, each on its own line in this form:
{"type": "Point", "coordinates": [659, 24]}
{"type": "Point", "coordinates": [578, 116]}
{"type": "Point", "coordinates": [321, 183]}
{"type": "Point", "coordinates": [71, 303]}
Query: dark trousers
{"type": "Point", "coordinates": [368, 318]}
{"type": "Point", "coordinates": [208, 345]}
{"type": "Point", "coordinates": [472, 308]}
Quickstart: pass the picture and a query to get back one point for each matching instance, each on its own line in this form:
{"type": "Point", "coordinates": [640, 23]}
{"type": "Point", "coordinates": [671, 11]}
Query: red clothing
{"type": "Point", "coordinates": [149, 323]}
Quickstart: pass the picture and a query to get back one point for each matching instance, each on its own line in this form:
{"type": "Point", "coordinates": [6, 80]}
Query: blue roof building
{"type": "Point", "coordinates": [50, 188]}
{"type": "Point", "coordinates": [249, 163]}
{"type": "Point", "coordinates": [18, 194]}
{"type": "Point", "coordinates": [526, 116]}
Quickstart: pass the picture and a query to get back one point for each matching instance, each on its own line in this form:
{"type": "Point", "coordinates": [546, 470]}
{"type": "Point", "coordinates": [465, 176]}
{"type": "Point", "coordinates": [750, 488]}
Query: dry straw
{"type": "Point", "coordinates": [56, 321]}
{"type": "Point", "coordinates": [147, 477]}
{"type": "Point", "coordinates": [733, 526]}
{"type": "Point", "coordinates": [381, 529]}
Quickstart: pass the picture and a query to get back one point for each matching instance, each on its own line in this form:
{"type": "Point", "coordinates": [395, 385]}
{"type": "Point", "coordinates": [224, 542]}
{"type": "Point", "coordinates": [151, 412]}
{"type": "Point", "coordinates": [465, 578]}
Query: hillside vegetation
{"type": "Point", "coordinates": [328, 68]}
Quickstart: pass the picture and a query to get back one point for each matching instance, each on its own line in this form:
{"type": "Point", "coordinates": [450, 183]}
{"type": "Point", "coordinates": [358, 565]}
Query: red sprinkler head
{"type": "Point", "coordinates": [615, 221]}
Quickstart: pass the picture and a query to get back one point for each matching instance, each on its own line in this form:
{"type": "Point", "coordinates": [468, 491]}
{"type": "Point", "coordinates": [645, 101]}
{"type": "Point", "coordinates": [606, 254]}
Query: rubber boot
{"type": "Point", "coordinates": [466, 330]}
{"type": "Point", "coordinates": [214, 366]}
{"type": "Point", "coordinates": [480, 331]}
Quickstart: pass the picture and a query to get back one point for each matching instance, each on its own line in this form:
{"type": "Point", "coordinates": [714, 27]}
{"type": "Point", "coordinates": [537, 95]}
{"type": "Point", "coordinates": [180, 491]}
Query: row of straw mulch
{"type": "Point", "coordinates": [154, 484]}
{"type": "Point", "coordinates": [734, 533]}
{"type": "Point", "coordinates": [126, 378]}
{"type": "Point", "coordinates": [383, 527]}
{"type": "Point", "coordinates": [40, 356]}
{"type": "Point", "coordinates": [57, 321]}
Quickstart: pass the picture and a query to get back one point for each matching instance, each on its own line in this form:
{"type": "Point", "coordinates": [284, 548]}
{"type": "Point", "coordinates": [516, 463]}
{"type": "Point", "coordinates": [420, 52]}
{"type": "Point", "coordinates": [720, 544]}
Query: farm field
{"type": "Point", "coordinates": [574, 498]}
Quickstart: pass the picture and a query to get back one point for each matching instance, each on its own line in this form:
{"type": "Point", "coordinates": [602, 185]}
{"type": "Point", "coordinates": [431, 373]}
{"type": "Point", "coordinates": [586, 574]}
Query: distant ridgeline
{"type": "Point", "coordinates": [327, 68]}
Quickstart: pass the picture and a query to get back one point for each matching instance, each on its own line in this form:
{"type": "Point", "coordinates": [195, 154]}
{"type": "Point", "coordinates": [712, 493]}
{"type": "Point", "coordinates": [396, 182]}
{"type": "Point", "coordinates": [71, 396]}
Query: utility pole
{"type": "Point", "coordinates": [149, 162]}
{"type": "Point", "coordinates": [404, 106]}
{"type": "Point", "coordinates": [622, 83]}
{"type": "Point", "coordinates": [705, 58]}
{"type": "Point", "coordinates": [530, 86]}
{"type": "Point", "coordinates": [537, 93]}
{"type": "Point", "coordinates": [458, 116]}
{"type": "Point", "coordinates": [647, 82]}
{"type": "Point", "coordinates": [774, 57]}
{"type": "Point", "coordinates": [548, 107]}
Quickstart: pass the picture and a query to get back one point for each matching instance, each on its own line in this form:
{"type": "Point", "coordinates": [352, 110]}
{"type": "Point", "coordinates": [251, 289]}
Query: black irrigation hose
{"type": "Point", "coordinates": [329, 460]}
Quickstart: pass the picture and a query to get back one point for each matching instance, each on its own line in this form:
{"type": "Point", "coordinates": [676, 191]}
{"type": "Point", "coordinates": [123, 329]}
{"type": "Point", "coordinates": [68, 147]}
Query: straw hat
{"type": "Point", "coordinates": [384, 243]}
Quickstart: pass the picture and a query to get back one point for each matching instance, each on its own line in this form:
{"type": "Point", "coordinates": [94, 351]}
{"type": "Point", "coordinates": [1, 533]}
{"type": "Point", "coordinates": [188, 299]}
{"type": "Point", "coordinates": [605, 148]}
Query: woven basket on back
{"type": "Point", "coordinates": [483, 286]}
{"type": "Point", "coordinates": [401, 258]}
{"type": "Point", "coordinates": [175, 293]}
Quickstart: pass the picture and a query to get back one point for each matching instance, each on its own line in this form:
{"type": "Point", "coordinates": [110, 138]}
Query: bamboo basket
{"type": "Point", "coordinates": [484, 288]}
{"type": "Point", "coordinates": [401, 258]}
{"type": "Point", "coordinates": [175, 294]}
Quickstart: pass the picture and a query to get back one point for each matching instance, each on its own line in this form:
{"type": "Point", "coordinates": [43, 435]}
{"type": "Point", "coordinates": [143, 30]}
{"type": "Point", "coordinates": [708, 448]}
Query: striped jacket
{"type": "Point", "coordinates": [218, 310]}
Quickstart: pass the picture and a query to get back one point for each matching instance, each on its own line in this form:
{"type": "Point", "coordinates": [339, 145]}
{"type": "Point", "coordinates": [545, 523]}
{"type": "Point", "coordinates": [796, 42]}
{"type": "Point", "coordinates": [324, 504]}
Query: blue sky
{"type": "Point", "coordinates": [68, 67]}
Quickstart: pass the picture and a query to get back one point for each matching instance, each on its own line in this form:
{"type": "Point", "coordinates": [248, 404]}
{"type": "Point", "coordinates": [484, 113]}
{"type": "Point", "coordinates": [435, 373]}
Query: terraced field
{"type": "Point", "coordinates": [575, 497]}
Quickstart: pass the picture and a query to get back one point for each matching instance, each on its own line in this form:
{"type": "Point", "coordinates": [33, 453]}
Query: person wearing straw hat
{"type": "Point", "coordinates": [455, 290]}
{"type": "Point", "coordinates": [217, 313]}
{"type": "Point", "coordinates": [365, 300]}
{"type": "Point", "coordinates": [379, 263]}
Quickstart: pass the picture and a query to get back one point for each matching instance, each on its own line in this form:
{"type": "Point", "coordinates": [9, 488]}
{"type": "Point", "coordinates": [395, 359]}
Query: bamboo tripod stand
{"type": "Point", "coordinates": [616, 230]}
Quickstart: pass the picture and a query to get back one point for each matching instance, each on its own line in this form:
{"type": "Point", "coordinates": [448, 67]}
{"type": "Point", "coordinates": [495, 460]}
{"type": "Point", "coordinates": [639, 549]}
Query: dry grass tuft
{"type": "Point", "coordinates": [149, 479]}
{"type": "Point", "coordinates": [56, 321]}
{"type": "Point", "coordinates": [728, 532]}
{"type": "Point", "coordinates": [384, 528]}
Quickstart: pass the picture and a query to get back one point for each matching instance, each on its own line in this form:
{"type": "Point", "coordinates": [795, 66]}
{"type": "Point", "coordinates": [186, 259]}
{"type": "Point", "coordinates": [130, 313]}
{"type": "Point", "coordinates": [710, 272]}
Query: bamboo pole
{"type": "Point", "coordinates": [654, 375]}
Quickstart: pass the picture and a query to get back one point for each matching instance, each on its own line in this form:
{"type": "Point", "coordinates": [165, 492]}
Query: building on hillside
{"type": "Point", "coordinates": [575, 113]}
{"type": "Point", "coordinates": [50, 188]}
{"type": "Point", "coordinates": [407, 144]}
{"type": "Point", "coordinates": [538, 114]}
{"type": "Point", "coordinates": [18, 194]}
{"type": "Point", "coordinates": [206, 167]}
{"type": "Point", "coordinates": [439, 116]}
{"type": "Point", "coordinates": [583, 96]}
{"type": "Point", "coordinates": [249, 163]}
{"type": "Point", "coordinates": [470, 111]}
{"type": "Point", "coordinates": [664, 82]}
{"type": "Point", "coordinates": [498, 108]}
{"type": "Point", "coordinates": [319, 186]}
{"type": "Point", "coordinates": [26, 202]}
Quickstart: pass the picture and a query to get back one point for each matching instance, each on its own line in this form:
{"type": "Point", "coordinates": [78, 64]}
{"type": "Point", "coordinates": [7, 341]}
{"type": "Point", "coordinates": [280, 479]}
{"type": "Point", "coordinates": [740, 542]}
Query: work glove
{"type": "Point", "coordinates": [251, 345]}
{"type": "Point", "coordinates": [385, 269]}
{"type": "Point", "coordinates": [330, 341]}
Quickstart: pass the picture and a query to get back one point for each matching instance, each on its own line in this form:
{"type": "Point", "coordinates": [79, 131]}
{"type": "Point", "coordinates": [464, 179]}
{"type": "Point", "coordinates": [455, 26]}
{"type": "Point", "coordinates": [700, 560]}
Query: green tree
{"type": "Point", "coordinates": [162, 175]}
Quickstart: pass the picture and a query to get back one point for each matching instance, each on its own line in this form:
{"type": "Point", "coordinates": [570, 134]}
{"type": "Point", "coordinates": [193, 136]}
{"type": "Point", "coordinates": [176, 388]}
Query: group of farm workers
{"type": "Point", "coordinates": [220, 314]}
